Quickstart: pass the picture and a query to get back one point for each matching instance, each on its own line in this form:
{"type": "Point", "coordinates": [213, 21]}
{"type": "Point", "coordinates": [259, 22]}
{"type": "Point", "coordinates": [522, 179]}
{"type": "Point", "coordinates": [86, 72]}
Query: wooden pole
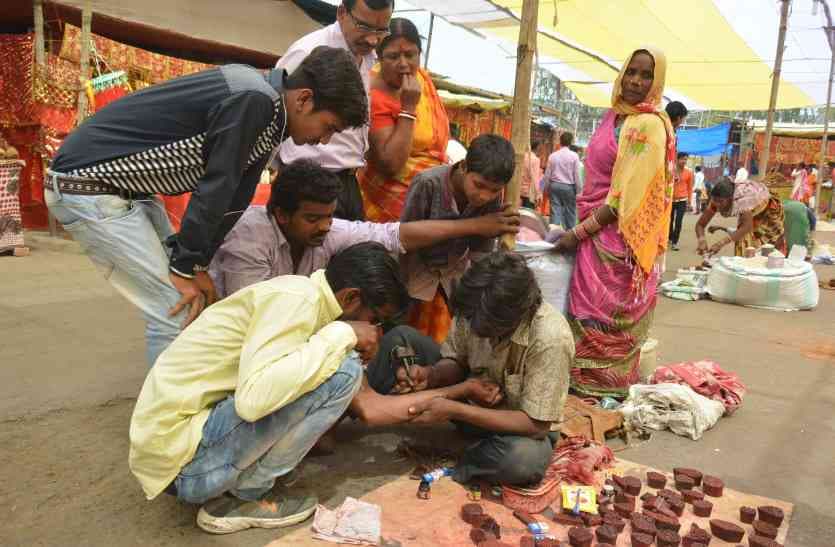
{"type": "Point", "coordinates": [429, 40]}
{"type": "Point", "coordinates": [40, 67]}
{"type": "Point", "coordinates": [521, 128]}
{"type": "Point", "coordinates": [775, 87]}
{"type": "Point", "coordinates": [40, 50]}
{"type": "Point", "coordinates": [86, 22]}
{"type": "Point", "coordinates": [824, 144]}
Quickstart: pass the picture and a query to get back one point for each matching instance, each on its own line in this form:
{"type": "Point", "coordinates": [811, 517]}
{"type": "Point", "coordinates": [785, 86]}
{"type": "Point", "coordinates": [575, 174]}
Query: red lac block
{"type": "Point", "coordinates": [760, 541]}
{"type": "Point", "coordinates": [694, 474]}
{"type": "Point", "coordinates": [747, 514]}
{"type": "Point", "coordinates": [479, 536]}
{"type": "Point", "coordinates": [580, 537]}
{"type": "Point", "coordinates": [615, 522]}
{"type": "Point", "coordinates": [726, 531]}
{"type": "Point", "coordinates": [692, 495]}
{"type": "Point", "coordinates": [642, 524]}
{"type": "Point", "coordinates": [683, 482]}
{"type": "Point", "coordinates": [591, 520]}
{"type": "Point", "coordinates": [713, 486]}
{"type": "Point", "coordinates": [770, 514]}
{"type": "Point", "coordinates": [641, 540]}
{"type": "Point", "coordinates": [656, 480]}
{"type": "Point", "coordinates": [667, 538]}
{"type": "Point", "coordinates": [469, 511]}
{"type": "Point", "coordinates": [763, 528]}
{"type": "Point", "coordinates": [696, 536]}
{"type": "Point", "coordinates": [606, 534]}
{"type": "Point", "coordinates": [702, 508]}
{"type": "Point", "coordinates": [632, 486]}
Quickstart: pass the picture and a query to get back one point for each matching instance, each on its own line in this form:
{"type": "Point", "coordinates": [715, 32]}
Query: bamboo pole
{"type": "Point", "coordinates": [86, 22]}
{"type": "Point", "coordinates": [40, 63]}
{"type": "Point", "coordinates": [40, 50]}
{"type": "Point", "coordinates": [521, 128]}
{"type": "Point", "coordinates": [824, 139]}
{"type": "Point", "coordinates": [429, 40]}
{"type": "Point", "coordinates": [775, 87]}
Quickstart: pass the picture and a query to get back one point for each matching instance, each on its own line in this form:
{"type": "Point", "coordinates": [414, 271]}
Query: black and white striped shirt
{"type": "Point", "coordinates": [213, 131]}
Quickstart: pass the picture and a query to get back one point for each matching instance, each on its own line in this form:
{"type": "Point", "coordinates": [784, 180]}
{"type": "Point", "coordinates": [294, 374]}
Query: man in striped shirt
{"type": "Point", "coordinates": [209, 133]}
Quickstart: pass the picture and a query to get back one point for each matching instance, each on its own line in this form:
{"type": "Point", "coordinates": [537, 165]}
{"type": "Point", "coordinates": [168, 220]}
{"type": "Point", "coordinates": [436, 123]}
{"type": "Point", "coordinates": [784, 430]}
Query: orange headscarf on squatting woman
{"type": "Point", "coordinates": [642, 177]}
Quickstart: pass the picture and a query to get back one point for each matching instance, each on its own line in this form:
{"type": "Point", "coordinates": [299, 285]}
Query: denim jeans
{"type": "Point", "coordinates": [676, 220]}
{"type": "Point", "coordinates": [245, 458]}
{"type": "Point", "coordinates": [502, 458]}
{"type": "Point", "coordinates": [125, 240]}
{"type": "Point", "coordinates": [382, 370]}
{"type": "Point", "coordinates": [563, 204]}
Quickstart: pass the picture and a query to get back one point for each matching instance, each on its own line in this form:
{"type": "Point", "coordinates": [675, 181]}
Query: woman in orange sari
{"type": "Point", "coordinates": [409, 126]}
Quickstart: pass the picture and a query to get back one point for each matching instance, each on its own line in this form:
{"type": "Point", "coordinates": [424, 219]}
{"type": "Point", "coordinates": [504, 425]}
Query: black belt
{"type": "Point", "coordinates": [90, 188]}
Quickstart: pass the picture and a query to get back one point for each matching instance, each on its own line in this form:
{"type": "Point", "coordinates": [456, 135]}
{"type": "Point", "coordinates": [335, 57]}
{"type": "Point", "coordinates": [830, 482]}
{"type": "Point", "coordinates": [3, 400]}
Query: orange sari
{"type": "Point", "coordinates": [432, 318]}
{"type": "Point", "coordinates": [384, 197]}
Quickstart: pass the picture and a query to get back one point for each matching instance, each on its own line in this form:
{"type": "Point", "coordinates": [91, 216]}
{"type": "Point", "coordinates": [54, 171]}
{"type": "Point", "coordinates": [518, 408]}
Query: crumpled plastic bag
{"type": "Point", "coordinates": [706, 378]}
{"type": "Point", "coordinates": [689, 285]}
{"type": "Point", "coordinates": [670, 406]}
{"type": "Point", "coordinates": [355, 522]}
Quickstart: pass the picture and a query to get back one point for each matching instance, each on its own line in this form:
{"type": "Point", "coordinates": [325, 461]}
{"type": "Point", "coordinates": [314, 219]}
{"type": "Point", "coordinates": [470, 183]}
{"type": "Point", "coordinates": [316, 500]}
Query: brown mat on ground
{"type": "Point", "coordinates": [412, 522]}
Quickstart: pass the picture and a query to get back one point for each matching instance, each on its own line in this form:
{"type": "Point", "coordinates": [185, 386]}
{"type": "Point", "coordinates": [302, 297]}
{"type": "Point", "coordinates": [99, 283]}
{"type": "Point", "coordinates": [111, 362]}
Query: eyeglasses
{"type": "Point", "coordinates": [368, 29]}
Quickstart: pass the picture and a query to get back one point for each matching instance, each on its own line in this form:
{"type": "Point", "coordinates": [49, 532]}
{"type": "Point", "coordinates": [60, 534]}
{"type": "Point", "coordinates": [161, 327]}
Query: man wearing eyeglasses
{"type": "Point", "coordinates": [360, 25]}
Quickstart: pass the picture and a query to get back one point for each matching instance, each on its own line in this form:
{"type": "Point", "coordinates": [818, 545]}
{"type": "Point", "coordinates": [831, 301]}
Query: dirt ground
{"type": "Point", "coordinates": [73, 361]}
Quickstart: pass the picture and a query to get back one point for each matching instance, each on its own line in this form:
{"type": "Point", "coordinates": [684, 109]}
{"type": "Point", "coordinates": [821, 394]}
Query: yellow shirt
{"type": "Point", "coordinates": [268, 344]}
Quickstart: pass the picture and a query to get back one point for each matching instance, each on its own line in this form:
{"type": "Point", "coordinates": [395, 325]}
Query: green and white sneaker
{"type": "Point", "coordinates": [228, 514]}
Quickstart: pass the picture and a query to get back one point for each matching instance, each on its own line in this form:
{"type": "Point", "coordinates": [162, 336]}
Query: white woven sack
{"type": "Point", "coordinates": [747, 282]}
{"type": "Point", "coordinates": [552, 271]}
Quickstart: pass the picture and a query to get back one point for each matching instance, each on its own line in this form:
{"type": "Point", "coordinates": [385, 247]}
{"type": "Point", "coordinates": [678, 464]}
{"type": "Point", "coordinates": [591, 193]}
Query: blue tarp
{"type": "Point", "coordinates": [709, 141]}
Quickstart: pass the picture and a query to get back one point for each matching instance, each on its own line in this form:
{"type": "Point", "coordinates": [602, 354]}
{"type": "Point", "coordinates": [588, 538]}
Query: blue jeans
{"type": "Point", "coordinates": [245, 458]}
{"type": "Point", "coordinates": [563, 204]}
{"type": "Point", "coordinates": [125, 240]}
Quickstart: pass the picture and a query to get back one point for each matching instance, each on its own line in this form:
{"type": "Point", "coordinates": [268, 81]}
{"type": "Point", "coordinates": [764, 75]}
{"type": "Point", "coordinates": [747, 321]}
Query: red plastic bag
{"type": "Point", "coordinates": [705, 378]}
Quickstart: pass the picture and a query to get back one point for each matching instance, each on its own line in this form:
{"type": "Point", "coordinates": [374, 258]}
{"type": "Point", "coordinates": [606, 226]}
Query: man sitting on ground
{"type": "Point", "coordinates": [297, 233]}
{"type": "Point", "coordinates": [245, 391]}
{"type": "Point", "coordinates": [501, 375]}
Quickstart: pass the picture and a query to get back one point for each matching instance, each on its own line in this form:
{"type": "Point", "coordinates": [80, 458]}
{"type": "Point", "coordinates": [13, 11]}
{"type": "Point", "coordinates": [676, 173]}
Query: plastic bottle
{"type": "Point", "coordinates": [432, 476]}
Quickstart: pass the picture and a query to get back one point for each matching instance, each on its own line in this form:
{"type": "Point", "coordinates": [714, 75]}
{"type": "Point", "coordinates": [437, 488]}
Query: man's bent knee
{"type": "Point", "coordinates": [350, 374]}
{"type": "Point", "coordinates": [523, 460]}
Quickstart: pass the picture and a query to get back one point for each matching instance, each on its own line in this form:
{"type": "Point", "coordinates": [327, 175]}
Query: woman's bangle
{"type": "Point", "coordinates": [591, 225]}
{"type": "Point", "coordinates": [407, 115]}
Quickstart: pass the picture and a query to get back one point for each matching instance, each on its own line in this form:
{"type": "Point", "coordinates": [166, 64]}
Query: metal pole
{"type": "Point", "coordinates": [824, 143]}
{"type": "Point", "coordinates": [775, 87]}
{"type": "Point", "coordinates": [521, 128]}
{"type": "Point", "coordinates": [429, 40]}
{"type": "Point", "coordinates": [86, 22]}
